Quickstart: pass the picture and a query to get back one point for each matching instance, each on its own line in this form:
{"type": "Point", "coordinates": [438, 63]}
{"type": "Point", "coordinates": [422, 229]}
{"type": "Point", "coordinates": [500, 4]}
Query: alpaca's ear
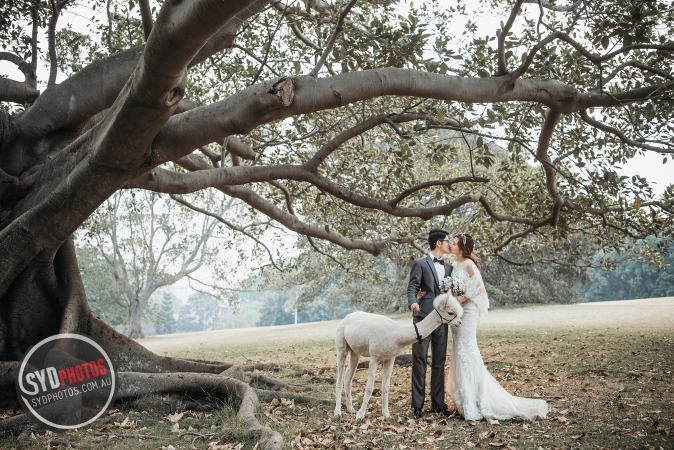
{"type": "Point", "coordinates": [442, 302]}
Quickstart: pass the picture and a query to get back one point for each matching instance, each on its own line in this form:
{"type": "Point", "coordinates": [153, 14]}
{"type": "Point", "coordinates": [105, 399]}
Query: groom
{"type": "Point", "coordinates": [422, 289]}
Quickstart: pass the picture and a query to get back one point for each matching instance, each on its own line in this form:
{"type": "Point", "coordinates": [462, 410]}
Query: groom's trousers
{"type": "Point", "coordinates": [438, 342]}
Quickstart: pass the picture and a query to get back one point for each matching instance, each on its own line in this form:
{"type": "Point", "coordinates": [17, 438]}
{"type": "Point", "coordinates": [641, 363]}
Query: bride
{"type": "Point", "coordinates": [473, 389]}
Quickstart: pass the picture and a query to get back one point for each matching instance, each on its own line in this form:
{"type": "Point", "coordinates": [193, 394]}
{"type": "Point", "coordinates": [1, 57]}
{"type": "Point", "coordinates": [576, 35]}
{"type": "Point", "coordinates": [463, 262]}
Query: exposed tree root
{"type": "Point", "coordinates": [262, 381]}
{"type": "Point", "coordinates": [138, 384]}
{"type": "Point", "coordinates": [17, 424]}
{"type": "Point", "coordinates": [66, 444]}
{"type": "Point", "coordinates": [273, 367]}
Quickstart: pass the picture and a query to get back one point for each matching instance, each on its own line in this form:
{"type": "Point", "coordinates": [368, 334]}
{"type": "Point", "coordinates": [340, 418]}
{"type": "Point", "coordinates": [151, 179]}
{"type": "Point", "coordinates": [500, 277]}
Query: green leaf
{"type": "Point", "coordinates": [627, 40]}
{"type": "Point", "coordinates": [605, 42]}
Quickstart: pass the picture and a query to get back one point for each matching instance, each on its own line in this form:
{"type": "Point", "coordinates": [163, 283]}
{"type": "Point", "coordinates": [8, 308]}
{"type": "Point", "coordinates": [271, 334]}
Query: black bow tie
{"type": "Point", "coordinates": [441, 261]}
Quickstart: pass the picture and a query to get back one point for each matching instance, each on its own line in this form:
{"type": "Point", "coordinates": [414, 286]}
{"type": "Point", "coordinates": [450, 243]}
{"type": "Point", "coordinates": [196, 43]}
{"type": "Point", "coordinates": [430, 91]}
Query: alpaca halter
{"type": "Point", "coordinates": [442, 319]}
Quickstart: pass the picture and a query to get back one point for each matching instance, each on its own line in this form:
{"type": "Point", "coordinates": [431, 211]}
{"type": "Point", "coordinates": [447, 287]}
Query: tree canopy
{"type": "Point", "coordinates": [355, 125]}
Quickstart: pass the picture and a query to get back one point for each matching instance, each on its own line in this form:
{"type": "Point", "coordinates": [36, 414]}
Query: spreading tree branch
{"type": "Point", "coordinates": [643, 67]}
{"type": "Point", "coordinates": [502, 66]}
{"type": "Point", "coordinates": [17, 92]}
{"type": "Point", "coordinates": [24, 66]}
{"type": "Point", "coordinates": [286, 97]}
{"type": "Point", "coordinates": [594, 59]}
{"type": "Point", "coordinates": [291, 210]}
{"type": "Point", "coordinates": [146, 17]}
{"type": "Point", "coordinates": [51, 39]}
{"type": "Point", "coordinates": [227, 223]}
{"type": "Point", "coordinates": [333, 37]}
{"type": "Point", "coordinates": [546, 4]}
{"type": "Point", "coordinates": [35, 17]}
{"type": "Point", "coordinates": [608, 129]}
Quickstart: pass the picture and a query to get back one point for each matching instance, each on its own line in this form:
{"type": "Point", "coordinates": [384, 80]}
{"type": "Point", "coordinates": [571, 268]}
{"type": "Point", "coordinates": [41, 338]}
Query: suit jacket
{"type": "Point", "coordinates": [423, 276]}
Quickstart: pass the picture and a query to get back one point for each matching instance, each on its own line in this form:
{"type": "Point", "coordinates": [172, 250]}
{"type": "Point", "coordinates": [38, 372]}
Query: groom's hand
{"type": "Point", "coordinates": [415, 307]}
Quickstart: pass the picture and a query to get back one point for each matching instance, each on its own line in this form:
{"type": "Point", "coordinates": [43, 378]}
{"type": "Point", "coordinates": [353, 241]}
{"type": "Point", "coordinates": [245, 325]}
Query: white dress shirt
{"type": "Point", "coordinates": [439, 268]}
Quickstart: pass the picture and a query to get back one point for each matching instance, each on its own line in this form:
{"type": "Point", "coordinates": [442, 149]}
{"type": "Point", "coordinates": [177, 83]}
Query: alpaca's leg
{"type": "Point", "coordinates": [385, 384]}
{"type": "Point", "coordinates": [353, 365]}
{"type": "Point", "coordinates": [342, 350]}
{"type": "Point", "coordinates": [368, 388]}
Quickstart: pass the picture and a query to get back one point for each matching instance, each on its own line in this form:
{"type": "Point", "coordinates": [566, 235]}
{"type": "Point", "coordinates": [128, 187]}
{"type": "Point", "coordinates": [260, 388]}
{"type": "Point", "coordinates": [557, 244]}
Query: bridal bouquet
{"type": "Point", "coordinates": [453, 285]}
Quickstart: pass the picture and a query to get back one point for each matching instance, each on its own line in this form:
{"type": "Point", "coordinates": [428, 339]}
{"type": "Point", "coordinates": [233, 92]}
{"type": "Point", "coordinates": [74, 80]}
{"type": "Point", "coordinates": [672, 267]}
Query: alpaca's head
{"type": "Point", "coordinates": [449, 308]}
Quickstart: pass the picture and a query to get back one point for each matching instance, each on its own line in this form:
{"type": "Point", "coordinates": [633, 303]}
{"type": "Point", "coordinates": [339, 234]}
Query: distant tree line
{"type": "Point", "coordinates": [632, 279]}
{"type": "Point", "coordinates": [380, 287]}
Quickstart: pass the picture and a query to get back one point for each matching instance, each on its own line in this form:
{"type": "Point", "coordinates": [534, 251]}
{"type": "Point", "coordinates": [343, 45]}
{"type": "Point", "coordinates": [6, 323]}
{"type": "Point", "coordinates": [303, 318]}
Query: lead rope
{"type": "Point", "coordinates": [416, 330]}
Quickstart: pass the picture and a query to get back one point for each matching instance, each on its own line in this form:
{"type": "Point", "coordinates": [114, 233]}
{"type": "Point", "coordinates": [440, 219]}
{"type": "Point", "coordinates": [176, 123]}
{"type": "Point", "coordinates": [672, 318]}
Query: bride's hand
{"type": "Point", "coordinates": [421, 293]}
{"type": "Point", "coordinates": [461, 299]}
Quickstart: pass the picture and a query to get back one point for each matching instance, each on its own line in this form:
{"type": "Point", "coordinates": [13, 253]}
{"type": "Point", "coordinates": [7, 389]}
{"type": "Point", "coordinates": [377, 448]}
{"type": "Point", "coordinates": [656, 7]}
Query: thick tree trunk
{"type": "Point", "coordinates": [134, 324]}
{"type": "Point", "coordinates": [48, 298]}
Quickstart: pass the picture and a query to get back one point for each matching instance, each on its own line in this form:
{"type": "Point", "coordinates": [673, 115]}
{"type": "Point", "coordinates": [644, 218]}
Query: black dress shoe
{"type": "Point", "coordinates": [417, 413]}
{"type": "Point", "coordinates": [444, 411]}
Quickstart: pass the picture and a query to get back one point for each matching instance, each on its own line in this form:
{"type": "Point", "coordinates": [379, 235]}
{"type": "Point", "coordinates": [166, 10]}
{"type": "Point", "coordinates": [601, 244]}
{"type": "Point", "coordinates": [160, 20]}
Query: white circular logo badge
{"type": "Point", "coordinates": [66, 381]}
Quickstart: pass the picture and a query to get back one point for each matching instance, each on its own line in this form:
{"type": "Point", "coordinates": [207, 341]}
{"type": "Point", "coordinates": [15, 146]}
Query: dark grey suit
{"type": "Point", "coordinates": [423, 276]}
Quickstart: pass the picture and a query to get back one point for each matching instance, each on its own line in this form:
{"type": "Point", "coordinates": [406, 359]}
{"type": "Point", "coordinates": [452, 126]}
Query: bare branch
{"type": "Point", "coordinates": [636, 47]}
{"type": "Point", "coordinates": [226, 222]}
{"type": "Point", "coordinates": [636, 65]}
{"type": "Point", "coordinates": [514, 236]}
{"type": "Point", "coordinates": [292, 223]}
{"type": "Point", "coordinates": [315, 247]}
{"type": "Point", "coordinates": [422, 250]}
{"type": "Point", "coordinates": [291, 210]}
{"type": "Point", "coordinates": [238, 148]}
{"type": "Point", "coordinates": [546, 4]}
{"type": "Point", "coordinates": [594, 59]}
{"type": "Point", "coordinates": [252, 55]}
{"type": "Point", "coordinates": [35, 17]}
{"type": "Point", "coordinates": [608, 129]}
{"type": "Point", "coordinates": [551, 120]}
{"type": "Point", "coordinates": [295, 29]}
{"type": "Point", "coordinates": [146, 17]}
{"type": "Point", "coordinates": [224, 38]}
{"type": "Point", "coordinates": [502, 67]}
{"type": "Point", "coordinates": [17, 92]}
{"type": "Point", "coordinates": [357, 130]}
{"type": "Point", "coordinates": [24, 66]}
{"type": "Point", "coordinates": [302, 37]}
{"type": "Point", "coordinates": [51, 38]}
{"type": "Point", "coordinates": [278, 99]}
{"type": "Point", "coordinates": [161, 180]}
{"type": "Point", "coordinates": [333, 37]}
{"type": "Point", "coordinates": [446, 183]}
{"type": "Point", "coordinates": [210, 155]}
{"type": "Point", "coordinates": [286, 193]}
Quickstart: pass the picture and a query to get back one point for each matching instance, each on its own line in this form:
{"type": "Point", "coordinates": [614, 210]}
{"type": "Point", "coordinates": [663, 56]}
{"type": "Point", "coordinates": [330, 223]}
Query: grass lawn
{"type": "Point", "coordinates": [608, 380]}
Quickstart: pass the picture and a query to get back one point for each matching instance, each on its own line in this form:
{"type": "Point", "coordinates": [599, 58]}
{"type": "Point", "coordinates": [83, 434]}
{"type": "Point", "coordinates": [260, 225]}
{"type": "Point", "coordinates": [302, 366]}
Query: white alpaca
{"type": "Point", "coordinates": [382, 339]}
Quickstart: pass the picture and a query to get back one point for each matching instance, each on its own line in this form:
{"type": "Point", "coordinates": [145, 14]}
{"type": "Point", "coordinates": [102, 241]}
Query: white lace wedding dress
{"type": "Point", "coordinates": [473, 389]}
